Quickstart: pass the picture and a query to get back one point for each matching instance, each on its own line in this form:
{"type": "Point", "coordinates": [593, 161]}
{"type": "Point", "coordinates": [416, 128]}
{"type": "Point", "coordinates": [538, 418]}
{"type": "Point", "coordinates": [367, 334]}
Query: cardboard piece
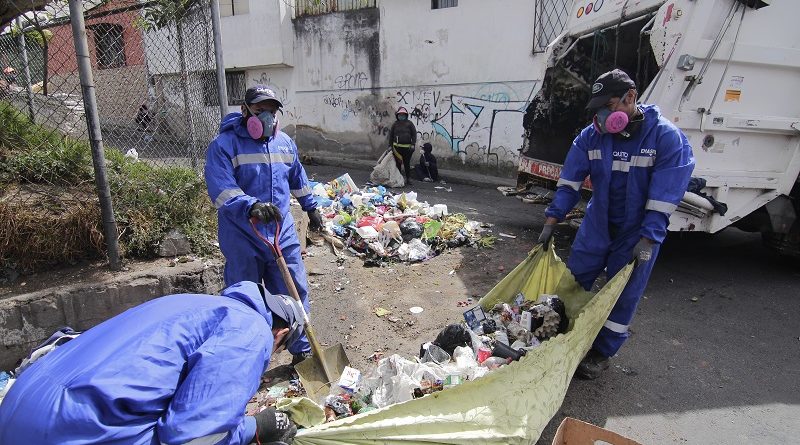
{"type": "Point", "coordinates": [576, 432]}
{"type": "Point", "coordinates": [343, 185]}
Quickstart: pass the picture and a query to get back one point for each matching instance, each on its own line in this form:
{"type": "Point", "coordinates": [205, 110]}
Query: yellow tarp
{"type": "Point", "coordinates": [511, 405]}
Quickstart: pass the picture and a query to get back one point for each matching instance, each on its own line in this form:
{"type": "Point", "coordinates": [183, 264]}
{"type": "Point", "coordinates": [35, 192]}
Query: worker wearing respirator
{"type": "Point", "coordinates": [252, 170]}
{"type": "Point", "coordinates": [639, 165]}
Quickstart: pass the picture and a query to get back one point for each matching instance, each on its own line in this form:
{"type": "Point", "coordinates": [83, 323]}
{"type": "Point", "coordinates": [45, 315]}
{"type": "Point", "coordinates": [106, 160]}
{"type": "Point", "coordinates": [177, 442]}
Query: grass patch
{"type": "Point", "coordinates": [49, 211]}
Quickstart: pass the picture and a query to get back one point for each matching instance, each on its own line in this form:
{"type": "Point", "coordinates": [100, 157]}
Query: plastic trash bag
{"type": "Point", "coordinates": [414, 251]}
{"type": "Point", "coordinates": [386, 172]}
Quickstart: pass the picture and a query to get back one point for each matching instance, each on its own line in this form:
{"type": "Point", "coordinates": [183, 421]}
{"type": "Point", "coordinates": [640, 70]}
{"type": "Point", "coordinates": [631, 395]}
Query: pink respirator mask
{"type": "Point", "coordinates": [607, 121]}
{"type": "Point", "coordinates": [261, 126]}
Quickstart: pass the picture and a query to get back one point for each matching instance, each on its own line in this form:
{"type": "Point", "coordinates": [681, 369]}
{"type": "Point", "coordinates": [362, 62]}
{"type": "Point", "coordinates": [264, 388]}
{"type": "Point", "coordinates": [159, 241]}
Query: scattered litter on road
{"type": "Point", "coordinates": [380, 226]}
{"type": "Point", "coordinates": [509, 191]}
{"type": "Point", "coordinates": [381, 312]}
{"type": "Point", "coordinates": [416, 310]}
{"type": "Point", "coordinates": [507, 235]}
{"type": "Point", "coordinates": [487, 242]}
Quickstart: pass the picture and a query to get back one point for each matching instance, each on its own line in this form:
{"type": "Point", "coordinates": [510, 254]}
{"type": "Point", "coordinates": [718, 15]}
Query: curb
{"type": "Point", "coordinates": [28, 319]}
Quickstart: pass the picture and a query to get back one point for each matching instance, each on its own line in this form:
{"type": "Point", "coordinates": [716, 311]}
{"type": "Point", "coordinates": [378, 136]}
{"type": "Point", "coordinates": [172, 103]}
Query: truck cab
{"type": "Point", "coordinates": [726, 72]}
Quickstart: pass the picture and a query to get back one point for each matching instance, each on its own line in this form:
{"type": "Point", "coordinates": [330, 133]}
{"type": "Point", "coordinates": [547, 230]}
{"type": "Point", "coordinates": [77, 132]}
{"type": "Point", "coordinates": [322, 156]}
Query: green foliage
{"type": "Point", "coordinates": [161, 13]}
{"type": "Point", "coordinates": [148, 200]}
{"type": "Point", "coordinates": [35, 154]}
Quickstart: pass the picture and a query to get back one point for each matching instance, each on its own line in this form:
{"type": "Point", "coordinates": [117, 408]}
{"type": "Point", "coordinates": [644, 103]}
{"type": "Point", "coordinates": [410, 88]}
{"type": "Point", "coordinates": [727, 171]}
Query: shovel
{"type": "Point", "coordinates": [325, 366]}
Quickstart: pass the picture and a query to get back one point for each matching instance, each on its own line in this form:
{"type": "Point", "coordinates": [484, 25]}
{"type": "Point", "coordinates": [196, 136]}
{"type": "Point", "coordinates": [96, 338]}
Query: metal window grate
{"type": "Point", "coordinates": [237, 85]}
{"type": "Point", "coordinates": [109, 45]}
{"type": "Point", "coordinates": [551, 17]}
{"type": "Point", "coordinates": [439, 4]}
{"type": "Point", "coordinates": [318, 7]}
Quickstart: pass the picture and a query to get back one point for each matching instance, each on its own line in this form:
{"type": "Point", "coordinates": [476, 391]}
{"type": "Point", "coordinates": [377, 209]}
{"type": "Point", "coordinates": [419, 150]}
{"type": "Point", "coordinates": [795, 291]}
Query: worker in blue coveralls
{"type": "Point", "coordinates": [175, 370]}
{"type": "Point", "coordinates": [639, 164]}
{"type": "Point", "coordinates": [252, 169]}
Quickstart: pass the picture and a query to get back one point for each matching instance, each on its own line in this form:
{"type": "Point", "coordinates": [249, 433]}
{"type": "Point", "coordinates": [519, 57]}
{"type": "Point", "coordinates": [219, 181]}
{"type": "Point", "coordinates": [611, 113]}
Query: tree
{"type": "Point", "coordinates": [160, 13]}
{"type": "Point", "coordinates": [10, 9]}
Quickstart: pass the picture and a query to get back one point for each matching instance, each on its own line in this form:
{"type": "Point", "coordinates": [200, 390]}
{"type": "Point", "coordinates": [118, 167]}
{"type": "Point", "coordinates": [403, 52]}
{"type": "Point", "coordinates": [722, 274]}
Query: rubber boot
{"type": "Point", "coordinates": [592, 366]}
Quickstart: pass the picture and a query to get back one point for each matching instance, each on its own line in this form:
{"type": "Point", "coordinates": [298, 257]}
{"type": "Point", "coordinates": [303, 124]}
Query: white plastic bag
{"type": "Point", "coordinates": [395, 378]}
{"type": "Point", "coordinates": [386, 172]}
{"type": "Point", "coordinates": [413, 251]}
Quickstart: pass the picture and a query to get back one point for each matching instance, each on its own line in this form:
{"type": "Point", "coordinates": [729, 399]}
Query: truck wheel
{"type": "Point", "coordinates": [785, 244]}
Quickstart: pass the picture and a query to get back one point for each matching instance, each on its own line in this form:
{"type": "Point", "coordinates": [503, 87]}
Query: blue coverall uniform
{"type": "Point", "coordinates": [636, 185]}
{"type": "Point", "coordinates": [174, 370]}
{"type": "Point", "coordinates": [241, 171]}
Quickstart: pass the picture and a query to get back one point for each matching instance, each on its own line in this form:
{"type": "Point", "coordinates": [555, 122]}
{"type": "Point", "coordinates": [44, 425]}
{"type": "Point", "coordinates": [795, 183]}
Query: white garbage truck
{"type": "Point", "coordinates": [726, 72]}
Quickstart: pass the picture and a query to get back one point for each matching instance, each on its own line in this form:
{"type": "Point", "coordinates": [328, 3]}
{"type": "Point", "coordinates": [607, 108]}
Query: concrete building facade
{"type": "Point", "coordinates": [464, 69]}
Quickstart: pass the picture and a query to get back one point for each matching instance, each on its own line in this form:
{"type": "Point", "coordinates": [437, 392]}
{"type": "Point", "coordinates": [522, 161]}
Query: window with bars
{"type": "Point", "coordinates": [236, 82]}
{"type": "Point", "coordinates": [228, 8]}
{"type": "Point", "coordinates": [109, 45]}
{"type": "Point", "coordinates": [551, 17]}
{"type": "Point", "coordinates": [237, 85]}
{"type": "Point", "coordinates": [439, 4]}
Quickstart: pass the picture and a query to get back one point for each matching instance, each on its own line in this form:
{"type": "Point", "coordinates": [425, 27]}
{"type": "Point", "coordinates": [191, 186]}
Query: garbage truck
{"type": "Point", "coordinates": [726, 72]}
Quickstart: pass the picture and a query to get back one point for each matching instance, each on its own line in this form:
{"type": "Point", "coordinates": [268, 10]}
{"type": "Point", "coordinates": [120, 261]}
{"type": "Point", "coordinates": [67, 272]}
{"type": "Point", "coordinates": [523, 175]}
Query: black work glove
{"type": "Point", "coordinates": [274, 427]}
{"type": "Point", "coordinates": [546, 235]}
{"type": "Point", "coordinates": [643, 250]}
{"type": "Point", "coordinates": [314, 220]}
{"type": "Point", "coordinates": [265, 211]}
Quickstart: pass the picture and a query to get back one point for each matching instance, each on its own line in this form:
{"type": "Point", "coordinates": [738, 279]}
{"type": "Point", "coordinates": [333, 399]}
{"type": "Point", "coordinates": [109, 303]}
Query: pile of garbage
{"type": "Point", "coordinates": [460, 353]}
{"type": "Point", "coordinates": [380, 226]}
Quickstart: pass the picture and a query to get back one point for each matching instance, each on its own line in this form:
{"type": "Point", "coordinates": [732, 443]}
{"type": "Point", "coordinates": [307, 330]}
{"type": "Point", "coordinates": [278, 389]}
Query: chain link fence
{"type": "Point", "coordinates": [157, 104]}
{"type": "Point", "coordinates": [551, 17]}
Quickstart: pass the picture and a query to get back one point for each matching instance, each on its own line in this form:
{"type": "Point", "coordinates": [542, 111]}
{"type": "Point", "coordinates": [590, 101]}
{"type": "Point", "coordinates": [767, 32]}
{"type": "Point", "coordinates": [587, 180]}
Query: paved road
{"type": "Point", "coordinates": [714, 356]}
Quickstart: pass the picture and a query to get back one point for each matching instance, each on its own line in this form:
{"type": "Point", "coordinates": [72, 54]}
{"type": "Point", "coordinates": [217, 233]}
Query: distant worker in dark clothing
{"type": "Point", "coordinates": [143, 117]}
{"type": "Point", "coordinates": [402, 140]}
{"type": "Point", "coordinates": [427, 169]}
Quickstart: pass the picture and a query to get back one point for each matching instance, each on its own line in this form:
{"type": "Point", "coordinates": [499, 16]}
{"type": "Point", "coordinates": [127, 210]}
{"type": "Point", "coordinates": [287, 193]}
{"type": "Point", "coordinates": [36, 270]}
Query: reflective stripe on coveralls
{"type": "Point", "coordinates": [264, 171]}
{"type": "Point", "coordinates": [657, 175]}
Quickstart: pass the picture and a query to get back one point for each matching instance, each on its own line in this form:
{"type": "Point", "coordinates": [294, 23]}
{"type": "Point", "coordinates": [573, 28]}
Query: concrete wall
{"type": "Point", "coordinates": [119, 92]}
{"type": "Point", "coordinates": [466, 74]}
{"type": "Point", "coordinates": [260, 38]}
{"type": "Point", "coordinates": [27, 320]}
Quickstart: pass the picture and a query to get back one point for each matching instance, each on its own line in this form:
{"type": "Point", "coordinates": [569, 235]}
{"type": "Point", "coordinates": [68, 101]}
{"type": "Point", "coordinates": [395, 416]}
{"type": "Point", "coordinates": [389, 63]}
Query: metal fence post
{"type": "Point", "coordinates": [26, 68]}
{"type": "Point", "coordinates": [95, 135]}
{"type": "Point", "coordinates": [222, 87]}
{"type": "Point", "coordinates": [190, 149]}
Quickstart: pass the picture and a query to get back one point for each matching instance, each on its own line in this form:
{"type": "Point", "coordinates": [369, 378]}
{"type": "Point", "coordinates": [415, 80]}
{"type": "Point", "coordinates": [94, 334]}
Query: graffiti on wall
{"type": "Point", "coordinates": [351, 81]}
{"type": "Point", "coordinates": [483, 127]}
{"type": "Point", "coordinates": [470, 124]}
{"type": "Point", "coordinates": [354, 108]}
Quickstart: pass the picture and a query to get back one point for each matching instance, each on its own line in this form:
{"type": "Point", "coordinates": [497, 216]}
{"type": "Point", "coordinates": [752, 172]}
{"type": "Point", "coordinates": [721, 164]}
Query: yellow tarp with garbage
{"type": "Point", "coordinates": [510, 405]}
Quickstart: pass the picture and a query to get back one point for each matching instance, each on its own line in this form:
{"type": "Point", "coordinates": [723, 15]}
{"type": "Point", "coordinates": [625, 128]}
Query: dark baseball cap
{"type": "Point", "coordinates": [614, 83]}
{"type": "Point", "coordinates": [260, 93]}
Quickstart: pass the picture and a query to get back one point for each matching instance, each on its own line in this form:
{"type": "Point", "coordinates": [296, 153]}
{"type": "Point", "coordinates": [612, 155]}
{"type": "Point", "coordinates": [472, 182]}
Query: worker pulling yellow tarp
{"type": "Point", "coordinates": [510, 405]}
